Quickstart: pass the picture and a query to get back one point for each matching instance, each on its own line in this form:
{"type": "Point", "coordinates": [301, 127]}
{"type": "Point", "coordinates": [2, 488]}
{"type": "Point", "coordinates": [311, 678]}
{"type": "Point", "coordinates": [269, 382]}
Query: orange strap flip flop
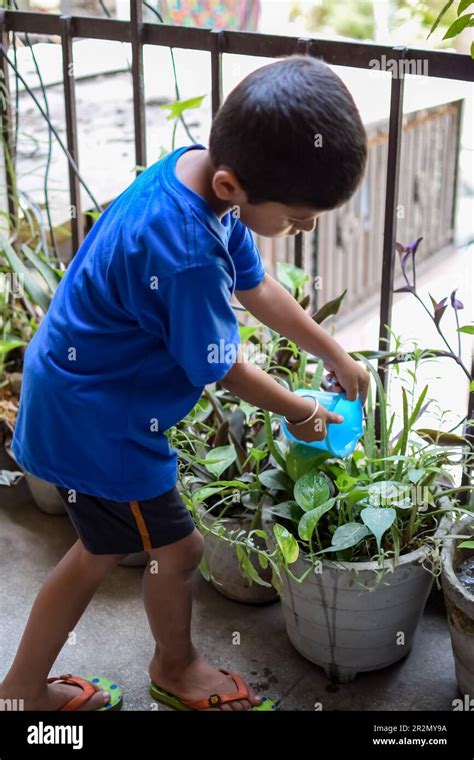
{"type": "Point", "coordinates": [214, 700]}
{"type": "Point", "coordinates": [87, 691]}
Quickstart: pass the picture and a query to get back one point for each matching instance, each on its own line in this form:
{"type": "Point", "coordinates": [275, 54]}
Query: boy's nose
{"type": "Point", "coordinates": [307, 226]}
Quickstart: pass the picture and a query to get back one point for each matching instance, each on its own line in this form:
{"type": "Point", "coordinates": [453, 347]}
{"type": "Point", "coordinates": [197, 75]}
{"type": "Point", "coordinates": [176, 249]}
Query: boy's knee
{"type": "Point", "coordinates": [181, 556]}
{"type": "Point", "coordinates": [196, 548]}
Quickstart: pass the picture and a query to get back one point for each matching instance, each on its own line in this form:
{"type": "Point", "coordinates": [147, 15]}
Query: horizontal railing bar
{"type": "Point", "coordinates": [364, 55]}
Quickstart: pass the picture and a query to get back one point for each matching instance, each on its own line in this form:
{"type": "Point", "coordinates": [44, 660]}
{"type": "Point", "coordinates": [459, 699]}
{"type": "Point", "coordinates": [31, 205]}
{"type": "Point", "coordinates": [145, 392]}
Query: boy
{"type": "Point", "coordinates": [122, 355]}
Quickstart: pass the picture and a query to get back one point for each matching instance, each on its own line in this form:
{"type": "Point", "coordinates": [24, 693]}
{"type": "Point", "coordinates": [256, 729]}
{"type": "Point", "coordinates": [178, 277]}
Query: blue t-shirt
{"type": "Point", "coordinates": [139, 324]}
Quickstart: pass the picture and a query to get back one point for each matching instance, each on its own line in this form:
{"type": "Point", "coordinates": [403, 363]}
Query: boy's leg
{"type": "Point", "coordinates": [167, 589]}
{"type": "Point", "coordinates": [55, 613]}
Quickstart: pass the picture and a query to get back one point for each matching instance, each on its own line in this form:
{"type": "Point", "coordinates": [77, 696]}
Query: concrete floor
{"type": "Point", "coordinates": [113, 636]}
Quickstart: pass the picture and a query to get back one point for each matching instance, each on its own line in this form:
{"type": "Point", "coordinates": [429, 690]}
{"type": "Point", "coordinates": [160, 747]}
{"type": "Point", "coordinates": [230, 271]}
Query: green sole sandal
{"type": "Point", "coordinates": [87, 685]}
{"type": "Point", "coordinates": [214, 700]}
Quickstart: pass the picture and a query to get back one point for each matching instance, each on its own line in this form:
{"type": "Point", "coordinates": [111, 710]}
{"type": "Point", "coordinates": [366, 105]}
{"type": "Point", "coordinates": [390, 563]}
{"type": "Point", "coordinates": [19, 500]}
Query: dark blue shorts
{"type": "Point", "coordinates": [125, 527]}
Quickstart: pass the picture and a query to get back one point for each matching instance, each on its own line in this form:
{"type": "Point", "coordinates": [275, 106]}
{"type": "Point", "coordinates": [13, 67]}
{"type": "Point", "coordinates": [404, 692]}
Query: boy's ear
{"type": "Point", "coordinates": [227, 187]}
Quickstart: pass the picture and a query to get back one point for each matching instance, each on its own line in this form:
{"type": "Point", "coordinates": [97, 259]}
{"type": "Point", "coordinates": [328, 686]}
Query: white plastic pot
{"type": "Point", "coordinates": [460, 606]}
{"type": "Point", "coordinates": [333, 621]}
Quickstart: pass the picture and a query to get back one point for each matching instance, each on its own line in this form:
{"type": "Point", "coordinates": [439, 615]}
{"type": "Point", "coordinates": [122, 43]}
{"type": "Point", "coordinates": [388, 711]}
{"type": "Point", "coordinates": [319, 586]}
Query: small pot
{"type": "Point", "coordinates": [460, 606]}
{"type": "Point", "coordinates": [224, 567]}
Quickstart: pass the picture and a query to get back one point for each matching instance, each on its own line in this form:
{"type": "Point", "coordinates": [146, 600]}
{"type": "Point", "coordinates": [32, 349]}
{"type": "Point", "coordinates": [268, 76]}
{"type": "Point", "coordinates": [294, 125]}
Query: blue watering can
{"type": "Point", "coordinates": [341, 438]}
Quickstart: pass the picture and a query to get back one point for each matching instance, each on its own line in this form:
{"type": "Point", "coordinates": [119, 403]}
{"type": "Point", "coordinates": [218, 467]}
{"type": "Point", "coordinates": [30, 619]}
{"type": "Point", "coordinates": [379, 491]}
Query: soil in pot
{"type": "Point", "coordinates": [465, 573]}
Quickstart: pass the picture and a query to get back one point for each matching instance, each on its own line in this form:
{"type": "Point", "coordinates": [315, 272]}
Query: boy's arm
{"type": "Point", "coordinates": [255, 386]}
{"type": "Point", "coordinates": [273, 305]}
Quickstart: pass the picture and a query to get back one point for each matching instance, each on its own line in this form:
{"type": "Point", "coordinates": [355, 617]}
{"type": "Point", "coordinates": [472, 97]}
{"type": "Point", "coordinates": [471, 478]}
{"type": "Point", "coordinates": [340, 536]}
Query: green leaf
{"type": "Point", "coordinates": [287, 543]}
{"type": "Point", "coordinates": [310, 519]}
{"type": "Point", "coordinates": [289, 510]}
{"type": "Point", "coordinates": [442, 13]}
{"type": "Point", "coordinates": [9, 345]}
{"type": "Point", "coordinates": [466, 545]}
{"type": "Point", "coordinates": [37, 294]}
{"type": "Point", "coordinates": [415, 475]}
{"type": "Point", "coordinates": [346, 536]}
{"type": "Point", "coordinates": [311, 490]}
{"type": "Point", "coordinates": [402, 442]}
{"type": "Point", "coordinates": [356, 495]}
{"type": "Point", "coordinates": [178, 106]}
{"type": "Point", "coordinates": [246, 332]}
{"type": "Point", "coordinates": [276, 479]}
{"type": "Point", "coordinates": [247, 567]}
{"type": "Point", "coordinates": [203, 493]}
{"type": "Point", "coordinates": [258, 454]}
{"type": "Point", "coordinates": [385, 492]}
{"type": "Point", "coordinates": [318, 375]}
{"type": "Point", "coordinates": [463, 5]}
{"type": "Point", "coordinates": [345, 482]}
{"type": "Point", "coordinates": [382, 401]}
{"type": "Point", "coordinates": [47, 272]}
{"type": "Point", "coordinates": [290, 276]}
{"type": "Point", "coordinates": [271, 443]}
{"type": "Point", "coordinates": [219, 459]}
{"type": "Point", "coordinates": [469, 329]}
{"type": "Point", "coordinates": [378, 520]}
{"type": "Point", "coordinates": [330, 308]}
{"type": "Point", "coordinates": [302, 458]}
{"type": "Point", "coordinates": [457, 26]}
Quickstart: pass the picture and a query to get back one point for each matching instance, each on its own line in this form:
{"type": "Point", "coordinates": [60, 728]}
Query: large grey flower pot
{"type": "Point", "coordinates": [460, 606]}
{"type": "Point", "coordinates": [226, 575]}
{"type": "Point", "coordinates": [336, 622]}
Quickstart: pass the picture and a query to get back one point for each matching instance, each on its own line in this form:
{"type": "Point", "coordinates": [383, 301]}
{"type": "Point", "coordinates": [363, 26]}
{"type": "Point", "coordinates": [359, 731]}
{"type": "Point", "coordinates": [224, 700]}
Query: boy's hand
{"type": "Point", "coordinates": [347, 375]}
{"type": "Point", "coordinates": [315, 429]}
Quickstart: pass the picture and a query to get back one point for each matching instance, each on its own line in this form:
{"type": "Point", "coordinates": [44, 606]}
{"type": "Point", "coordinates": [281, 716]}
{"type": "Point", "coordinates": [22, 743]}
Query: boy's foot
{"type": "Point", "coordinates": [53, 697]}
{"type": "Point", "coordinates": [198, 680]}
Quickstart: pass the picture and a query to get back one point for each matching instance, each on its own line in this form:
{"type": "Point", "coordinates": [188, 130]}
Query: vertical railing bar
{"type": "Point", "coordinates": [217, 47]}
{"type": "Point", "coordinates": [136, 23]}
{"type": "Point", "coordinates": [456, 165]}
{"type": "Point", "coordinates": [77, 228]}
{"type": "Point", "coordinates": [390, 223]}
{"type": "Point", "coordinates": [7, 132]}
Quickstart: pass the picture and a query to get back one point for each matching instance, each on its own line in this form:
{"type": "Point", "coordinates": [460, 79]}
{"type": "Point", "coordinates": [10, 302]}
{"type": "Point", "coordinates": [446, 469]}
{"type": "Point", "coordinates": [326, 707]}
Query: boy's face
{"type": "Point", "coordinates": [270, 219]}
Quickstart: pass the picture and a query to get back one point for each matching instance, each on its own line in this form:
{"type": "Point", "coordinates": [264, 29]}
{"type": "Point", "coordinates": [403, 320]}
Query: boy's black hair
{"type": "Point", "coordinates": [267, 133]}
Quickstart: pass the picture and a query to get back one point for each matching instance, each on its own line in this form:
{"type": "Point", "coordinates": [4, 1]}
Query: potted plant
{"type": "Point", "coordinates": [363, 560]}
{"type": "Point", "coordinates": [223, 452]}
{"type": "Point", "coordinates": [458, 588]}
{"type": "Point", "coordinates": [231, 468]}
